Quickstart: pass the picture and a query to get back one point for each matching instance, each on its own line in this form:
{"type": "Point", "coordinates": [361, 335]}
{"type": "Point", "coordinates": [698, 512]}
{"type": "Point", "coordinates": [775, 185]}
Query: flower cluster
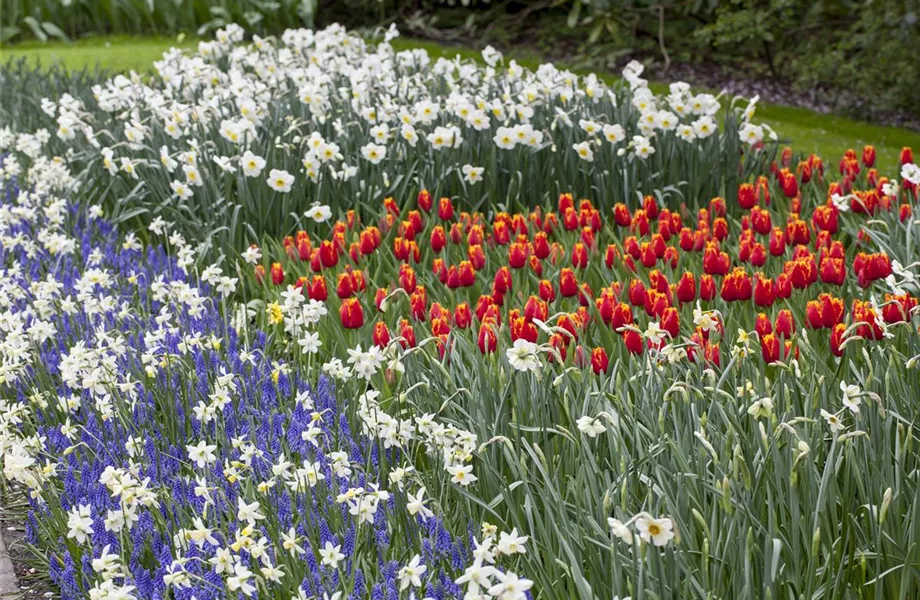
{"type": "Point", "coordinates": [665, 284]}
{"type": "Point", "coordinates": [242, 131]}
{"type": "Point", "coordinates": [170, 451]}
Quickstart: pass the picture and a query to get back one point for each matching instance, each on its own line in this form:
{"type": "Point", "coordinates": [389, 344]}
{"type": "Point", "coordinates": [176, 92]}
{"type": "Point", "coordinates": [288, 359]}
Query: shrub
{"type": "Point", "coordinates": [71, 19]}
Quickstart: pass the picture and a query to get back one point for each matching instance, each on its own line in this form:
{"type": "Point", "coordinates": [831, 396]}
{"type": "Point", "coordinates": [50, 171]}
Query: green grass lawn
{"type": "Point", "coordinates": [118, 53]}
{"type": "Point", "coordinates": [806, 131]}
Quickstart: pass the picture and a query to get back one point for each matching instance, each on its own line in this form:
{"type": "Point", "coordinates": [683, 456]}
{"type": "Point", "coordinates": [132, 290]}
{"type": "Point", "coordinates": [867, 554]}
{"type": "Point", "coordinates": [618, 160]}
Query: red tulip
{"type": "Point", "coordinates": [588, 238]}
{"type": "Point", "coordinates": [707, 287]}
{"type": "Point", "coordinates": [762, 325]}
{"type": "Point", "coordinates": [650, 206]}
{"type": "Point", "coordinates": [379, 296]}
{"type": "Point", "coordinates": [797, 232]}
{"type": "Point", "coordinates": [686, 288]}
{"type": "Point", "coordinates": [407, 333]}
{"type": "Point", "coordinates": [571, 323]}
{"type": "Point", "coordinates": [760, 221]}
{"type": "Point", "coordinates": [445, 209]}
{"type": "Point", "coordinates": [670, 322]}
{"type": "Point", "coordinates": [898, 309]}
{"type": "Point", "coordinates": [390, 205]}
{"type": "Point", "coordinates": [871, 267]}
{"type": "Point", "coordinates": [837, 339]}
{"type": "Point", "coordinates": [569, 219]}
{"type": "Point", "coordinates": [832, 310]}
{"type": "Point", "coordinates": [565, 202]}
{"type": "Point", "coordinates": [536, 309]}
{"type": "Point", "coordinates": [487, 341]}
{"type": "Point", "coordinates": [501, 233]}
{"type": "Point", "coordinates": [277, 273]}
{"type": "Point", "coordinates": [788, 183]}
{"type": "Point", "coordinates": [747, 196]}
{"type": "Point", "coordinates": [655, 303]}
{"type": "Point", "coordinates": [777, 242]}
{"type": "Point", "coordinates": [864, 313]}
{"type": "Point", "coordinates": [770, 348]}
{"type": "Point", "coordinates": [521, 328]}
{"type": "Point", "coordinates": [541, 245]}
{"type": "Point", "coordinates": [501, 284]}
{"type": "Point", "coordinates": [783, 286]}
{"type": "Point", "coordinates": [462, 316]}
{"type": "Point", "coordinates": [687, 242]}
{"type": "Point", "coordinates": [737, 286]}
{"type": "Point", "coordinates": [483, 305]}
{"type": "Point", "coordinates": [559, 342]}
{"type": "Point", "coordinates": [813, 317]}
{"type": "Point", "coordinates": [785, 323]}
{"type": "Point", "coordinates": [633, 341]}
{"type": "Point", "coordinates": [833, 271]}
{"type": "Point", "coordinates": [764, 290]}
{"type": "Point", "coordinates": [424, 200]}
{"type": "Point", "coordinates": [825, 218]}
{"type": "Point", "coordinates": [647, 255]}
{"type": "Point", "coordinates": [328, 256]}
{"type": "Point", "coordinates": [637, 293]}
{"type": "Point", "coordinates": [720, 229]}
{"type": "Point", "coordinates": [305, 249]}
{"type": "Point", "coordinates": [545, 290]}
{"type": "Point", "coordinates": [622, 316]}
{"type": "Point", "coordinates": [438, 239]}
{"type": "Point", "coordinates": [351, 313]}
{"type": "Point", "coordinates": [715, 262]}
{"type": "Point", "coordinates": [599, 361]}
{"type": "Point", "coordinates": [758, 255]}
{"type": "Point", "coordinates": [407, 279]}
{"type": "Point", "coordinates": [579, 256]}
{"type": "Point", "coordinates": [381, 334]}
{"type": "Point", "coordinates": [639, 223]}
{"type": "Point", "coordinates": [621, 215]}
{"type": "Point", "coordinates": [568, 284]}
{"type": "Point", "coordinates": [418, 303]}
{"type": "Point", "coordinates": [344, 287]}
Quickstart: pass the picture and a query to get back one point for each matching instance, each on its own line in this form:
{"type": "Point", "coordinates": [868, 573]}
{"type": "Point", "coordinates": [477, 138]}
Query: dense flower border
{"type": "Point", "coordinates": [423, 393]}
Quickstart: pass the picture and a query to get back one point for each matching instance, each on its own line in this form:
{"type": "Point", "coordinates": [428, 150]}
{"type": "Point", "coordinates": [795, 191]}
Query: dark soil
{"type": "Point", "coordinates": [776, 91]}
{"type": "Point", "coordinates": [32, 582]}
{"type": "Point", "coordinates": [551, 40]}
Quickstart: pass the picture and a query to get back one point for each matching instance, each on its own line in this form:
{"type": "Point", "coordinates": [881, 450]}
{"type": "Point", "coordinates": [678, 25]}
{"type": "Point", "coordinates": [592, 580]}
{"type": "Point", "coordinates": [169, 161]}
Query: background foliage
{"type": "Point", "coordinates": [69, 19]}
{"type": "Point", "coordinates": [858, 56]}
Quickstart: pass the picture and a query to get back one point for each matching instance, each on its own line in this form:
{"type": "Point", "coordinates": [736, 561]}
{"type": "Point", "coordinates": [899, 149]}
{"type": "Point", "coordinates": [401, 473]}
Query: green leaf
{"type": "Point", "coordinates": [253, 18]}
{"type": "Point", "coordinates": [54, 31]}
{"type": "Point", "coordinates": [209, 25]}
{"type": "Point", "coordinates": [36, 28]}
{"type": "Point", "coordinates": [596, 32]}
{"type": "Point", "coordinates": [220, 11]}
{"type": "Point", "coordinates": [574, 14]}
{"type": "Point", "coordinates": [8, 33]}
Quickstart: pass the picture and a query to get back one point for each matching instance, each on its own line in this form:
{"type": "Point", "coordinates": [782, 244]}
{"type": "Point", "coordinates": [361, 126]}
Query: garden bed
{"type": "Point", "coordinates": [311, 317]}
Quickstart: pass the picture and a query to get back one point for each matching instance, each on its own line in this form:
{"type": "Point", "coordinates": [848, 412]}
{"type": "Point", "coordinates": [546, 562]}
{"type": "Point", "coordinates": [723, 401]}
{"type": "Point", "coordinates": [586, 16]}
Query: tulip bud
{"type": "Point", "coordinates": [726, 495]}
{"type": "Point", "coordinates": [886, 502]}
